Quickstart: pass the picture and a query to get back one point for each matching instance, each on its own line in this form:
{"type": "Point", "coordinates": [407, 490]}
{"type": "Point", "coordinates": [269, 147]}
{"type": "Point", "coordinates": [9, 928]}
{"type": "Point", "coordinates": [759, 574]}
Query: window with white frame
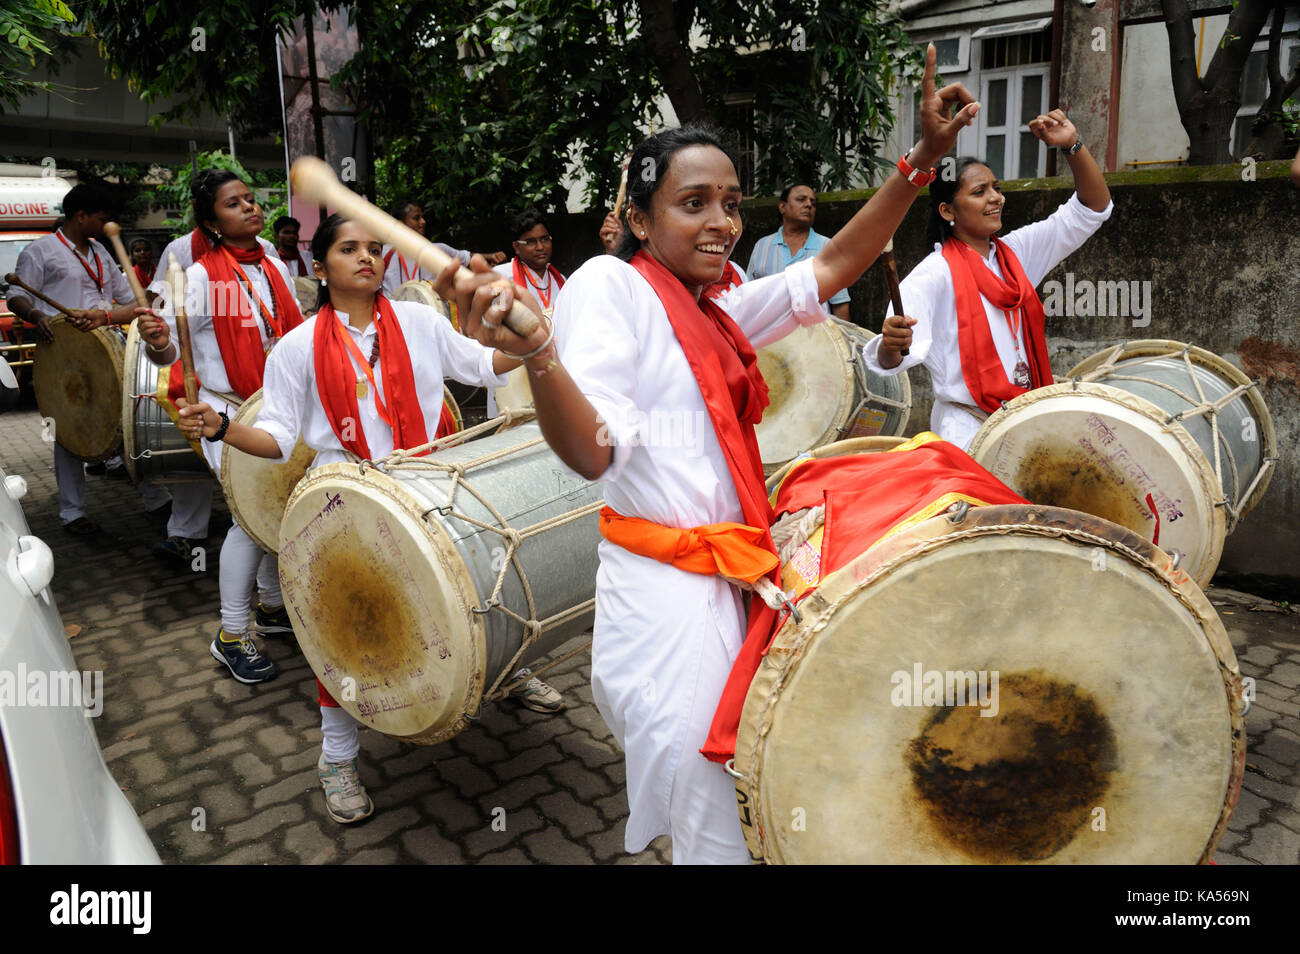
{"type": "Point", "coordinates": [1014, 62]}
{"type": "Point", "coordinates": [1254, 83]}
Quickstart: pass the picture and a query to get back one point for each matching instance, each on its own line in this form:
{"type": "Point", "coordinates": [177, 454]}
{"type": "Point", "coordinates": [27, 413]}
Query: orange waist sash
{"type": "Point", "coordinates": [732, 550]}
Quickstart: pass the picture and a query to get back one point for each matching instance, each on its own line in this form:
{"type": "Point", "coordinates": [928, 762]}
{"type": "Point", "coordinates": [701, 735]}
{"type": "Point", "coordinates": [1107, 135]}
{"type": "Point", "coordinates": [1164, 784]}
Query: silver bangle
{"type": "Point", "coordinates": [550, 336]}
{"type": "Point", "coordinates": [163, 350]}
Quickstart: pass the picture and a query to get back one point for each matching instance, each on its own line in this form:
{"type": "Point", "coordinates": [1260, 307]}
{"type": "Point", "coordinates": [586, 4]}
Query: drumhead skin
{"type": "Point", "coordinates": [384, 577]}
{"type": "Point", "coordinates": [422, 293]}
{"type": "Point", "coordinates": [516, 394]}
{"type": "Point", "coordinates": [1157, 370]}
{"type": "Point", "coordinates": [816, 379]}
{"type": "Point", "coordinates": [1115, 734]}
{"type": "Point", "coordinates": [306, 291]}
{"type": "Point", "coordinates": [130, 388]}
{"type": "Point", "coordinates": [257, 489]}
{"type": "Point", "coordinates": [78, 382]}
{"type": "Point", "coordinates": [1094, 448]}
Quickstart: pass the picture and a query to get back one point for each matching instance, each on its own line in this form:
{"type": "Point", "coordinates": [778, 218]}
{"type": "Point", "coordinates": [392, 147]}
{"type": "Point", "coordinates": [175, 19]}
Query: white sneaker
{"type": "Point", "coordinates": [346, 799]}
{"type": "Point", "coordinates": [537, 695]}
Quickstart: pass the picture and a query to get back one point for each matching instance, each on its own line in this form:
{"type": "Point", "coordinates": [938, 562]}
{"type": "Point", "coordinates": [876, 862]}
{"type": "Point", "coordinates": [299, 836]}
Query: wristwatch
{"type": "Point", "coordinates": [1078, 144]}
{"type": "Point", "coordinates": [915, 176]}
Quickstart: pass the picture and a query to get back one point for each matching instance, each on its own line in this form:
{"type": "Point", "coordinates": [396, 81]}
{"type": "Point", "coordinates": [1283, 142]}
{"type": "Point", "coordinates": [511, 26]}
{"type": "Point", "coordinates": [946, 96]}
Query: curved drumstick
{"type": "Point", "coordinates": [891, 280]}
{"type": "Point", "coordinates": [114, 233]}
{"type": "Point", "coordinates": [313, 179]}
{"type": "Point", "coordinates": [176, 281]}
{"type": "Point", "coordinates": [13, 279]}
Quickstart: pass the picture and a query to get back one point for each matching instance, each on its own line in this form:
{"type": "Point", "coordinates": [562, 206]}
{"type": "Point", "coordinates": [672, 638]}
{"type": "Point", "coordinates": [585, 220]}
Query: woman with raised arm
{"type": "Point", "coordinates": [653, 388]}
{"type": "Point", "coordinates": [973, 317]}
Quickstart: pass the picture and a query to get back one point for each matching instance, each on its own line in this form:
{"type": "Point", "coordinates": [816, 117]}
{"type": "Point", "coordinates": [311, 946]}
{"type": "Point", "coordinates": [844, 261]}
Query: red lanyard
{"type": "Point", "coordinates": [99, 266]}
{"type": "Point", "coordinates": [366, 366]}
{"type": "Point", "coordinates": [401, 267]}
{"type": "Point", "coordinates": [545, 296]}
{"type": "Point", "coordinates": [268, 315]}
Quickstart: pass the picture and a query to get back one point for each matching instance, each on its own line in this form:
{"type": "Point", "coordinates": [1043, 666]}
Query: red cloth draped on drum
{"type": "Point", "coordinates": [865, 495]}
{"type": "Point", "coordinates": [981, 366]}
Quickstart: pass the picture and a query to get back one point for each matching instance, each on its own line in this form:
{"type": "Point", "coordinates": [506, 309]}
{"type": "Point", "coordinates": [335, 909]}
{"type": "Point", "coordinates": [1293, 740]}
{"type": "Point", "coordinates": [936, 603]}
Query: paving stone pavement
{"type": "Point", "coordinates": [224, 773]}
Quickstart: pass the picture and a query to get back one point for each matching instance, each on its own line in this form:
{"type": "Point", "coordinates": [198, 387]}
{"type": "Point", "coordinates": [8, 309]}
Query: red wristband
{"type": "Point", "coordinates": [916, 176]}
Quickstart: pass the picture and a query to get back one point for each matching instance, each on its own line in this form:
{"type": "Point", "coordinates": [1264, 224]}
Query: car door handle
{"type": "Point", "coordinates": [31, 565]}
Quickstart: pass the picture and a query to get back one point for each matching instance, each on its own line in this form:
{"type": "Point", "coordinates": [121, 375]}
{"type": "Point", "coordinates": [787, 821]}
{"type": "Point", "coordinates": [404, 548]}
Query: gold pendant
{"type": "Point", "coordinates": [361, 389]}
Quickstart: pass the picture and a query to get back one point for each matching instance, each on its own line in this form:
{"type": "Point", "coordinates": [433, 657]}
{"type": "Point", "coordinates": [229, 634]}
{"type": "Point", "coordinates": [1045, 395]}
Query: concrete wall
{"type": "Point", "coordinates": [1223, 259]}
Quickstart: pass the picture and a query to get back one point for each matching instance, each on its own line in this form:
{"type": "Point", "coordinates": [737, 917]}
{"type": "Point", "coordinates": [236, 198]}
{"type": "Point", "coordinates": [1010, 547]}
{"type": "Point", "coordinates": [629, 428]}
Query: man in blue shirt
{"type": "Point", "coordinates": [794, 242]}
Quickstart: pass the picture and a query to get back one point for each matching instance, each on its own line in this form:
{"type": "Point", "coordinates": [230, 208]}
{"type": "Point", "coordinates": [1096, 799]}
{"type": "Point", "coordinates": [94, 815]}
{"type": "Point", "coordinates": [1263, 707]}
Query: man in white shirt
{"type": "Point", "coordinates": [74, 269]}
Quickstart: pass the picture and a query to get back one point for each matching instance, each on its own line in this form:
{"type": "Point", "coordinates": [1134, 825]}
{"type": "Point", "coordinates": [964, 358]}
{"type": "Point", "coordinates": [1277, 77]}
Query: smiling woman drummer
{"type": "Point", "coordinates": [655, 391]}
{"type": "Point", "coordinates": [360, 360]}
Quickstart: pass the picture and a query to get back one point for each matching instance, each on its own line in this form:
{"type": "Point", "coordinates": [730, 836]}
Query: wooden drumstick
{"type": "Point", "coordinates": [622, 194]}
{"type": "Point", "coordinates": [176, 281]}
{"type": "Point", "coordinates": [13, 279]}
{"type": "Point", "coordinates": [114, 233]}
{"type": "Point", "coordinates": [314, 180]}
{"type": "Point", "coordinates": [891, 280]}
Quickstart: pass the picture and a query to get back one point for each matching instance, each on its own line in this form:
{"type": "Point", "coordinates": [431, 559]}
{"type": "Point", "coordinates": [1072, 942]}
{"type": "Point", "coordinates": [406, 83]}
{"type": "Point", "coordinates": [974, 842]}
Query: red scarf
{"type": "Point", "coordinates": [303, 270]}
{"type": "Point", "coordinates": [337, 376]}
{"type": "Point", "coordinates": [522, 277]}
{"type": "Point", "coordinates": [726, 369]}
{"type": "Point", "coordinates": [199, 245]}
{"type": "Point", "coordinates": [143, 277]}
{"type": "Point", "coordinates": [729, 280]}
{"type": "Point", "coordinates": [981, 366]}
{"type": "Point", "coordinates": [238, 337]}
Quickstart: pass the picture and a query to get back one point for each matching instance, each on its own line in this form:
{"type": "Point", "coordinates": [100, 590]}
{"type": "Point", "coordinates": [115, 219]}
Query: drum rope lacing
{"type": "Point", "coordinates": [1200, 406]}
{"type": "Point", "coordinates": [860, 375]}
{"type": "Point", "coordinates": [513, 538]}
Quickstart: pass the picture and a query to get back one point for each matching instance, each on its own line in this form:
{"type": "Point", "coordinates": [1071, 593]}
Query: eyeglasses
{"type": "Point", "coordinates": [532, 242]}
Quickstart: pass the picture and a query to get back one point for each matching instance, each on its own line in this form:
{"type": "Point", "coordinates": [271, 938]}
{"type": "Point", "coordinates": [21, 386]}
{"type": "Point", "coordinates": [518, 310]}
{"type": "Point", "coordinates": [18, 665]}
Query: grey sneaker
{"type": "Point", "coordinates": [537, 695]}
{"type": "Point", "coordinates": [346, 799]}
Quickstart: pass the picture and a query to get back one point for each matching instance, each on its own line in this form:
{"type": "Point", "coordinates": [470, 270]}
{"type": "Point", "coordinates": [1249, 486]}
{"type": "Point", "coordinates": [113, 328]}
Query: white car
{"type": "Point", "coordinates": [58, 801]}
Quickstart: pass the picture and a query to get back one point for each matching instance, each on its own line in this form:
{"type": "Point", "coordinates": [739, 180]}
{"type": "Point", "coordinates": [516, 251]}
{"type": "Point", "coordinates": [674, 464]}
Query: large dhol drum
{"type": "Point", "coordinates": [153, 448]}
{"type": "Point", "coordinates": [995, 684]}
{"type": "Point", "coordinates": [77, 378]}
{"type": "Point", "coordinates": [422, 293]}
{"type": "Point", "coordinates": [412, 591]}
{"type": "Point", "coordinates": [307, 292]}
{"type": "Point", "coordinates": [257, 489]}
{"type": "Point", "coordinates": [1166, 439]}
{"type": "Point", "coordinates": [821, 391]}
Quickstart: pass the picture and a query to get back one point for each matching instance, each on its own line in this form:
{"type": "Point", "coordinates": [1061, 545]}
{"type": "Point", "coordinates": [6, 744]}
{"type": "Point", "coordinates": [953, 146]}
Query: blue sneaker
{"type": "Point", "coordinates": [243, 660]}
{"type": "Point", "coordinates": [268, 621]}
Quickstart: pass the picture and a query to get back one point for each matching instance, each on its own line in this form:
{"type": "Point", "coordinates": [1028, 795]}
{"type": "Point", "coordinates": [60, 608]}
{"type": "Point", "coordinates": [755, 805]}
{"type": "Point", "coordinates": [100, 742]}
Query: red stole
{"type": "Point", "coordinates": [337, 377]}
{"type": "Point", "coordinates": [143, 277]}
{"type": "Point", "coordinates": [729, 280]}
{"type": "Point", "coordinates": [199, 245]}
{"type": "Point", "coordinates": [242, 351]}
{"type": "Point", "coordinates": [735, 394]}
{"type": "Point", "coordinates": [980, 364]}
{"type": "Point", "coordinates": [303, 270]}
{"type": "Point", "coordinates": [521, 277]}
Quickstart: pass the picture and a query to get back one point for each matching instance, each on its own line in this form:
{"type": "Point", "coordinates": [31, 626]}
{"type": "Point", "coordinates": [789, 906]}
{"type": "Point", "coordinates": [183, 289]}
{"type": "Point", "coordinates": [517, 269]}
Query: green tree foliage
{"type": "Point", "coordinates": [28, 28]}
{"type": "Point", "coordinates": [481, 109]}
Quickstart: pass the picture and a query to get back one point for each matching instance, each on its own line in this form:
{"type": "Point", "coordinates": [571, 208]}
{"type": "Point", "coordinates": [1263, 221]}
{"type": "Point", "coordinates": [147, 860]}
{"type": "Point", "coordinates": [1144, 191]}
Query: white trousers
{"type": "Point", "coordinates": [242, 562]}
{"type": "Point", "coordinates": [191, 509]}
{"type": "Point", "coordinates": [338, 732]}
{"type": "Point", "coordinates": [70, 475]}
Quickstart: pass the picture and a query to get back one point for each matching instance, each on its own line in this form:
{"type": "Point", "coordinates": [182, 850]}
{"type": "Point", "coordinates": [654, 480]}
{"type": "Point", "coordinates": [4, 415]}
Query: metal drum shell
{"type": "Point", "coordinates": [800, 373]}
{"type": "Point", "coordinates": [385, 585]}
{"type": "Point", "coordinates": [830, 765]}
{"type": "Point", "coordinates": [77, 378]}
{"type": "Point", "coordinates": [146, 426]}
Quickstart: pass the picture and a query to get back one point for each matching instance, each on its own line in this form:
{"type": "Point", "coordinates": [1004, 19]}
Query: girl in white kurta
{"type": "Point", "coordinates": [619, 400]}
{"type": "Point", "coordinates": [348, 260]}
{"type": "Point", "coordinates": [968, 208]}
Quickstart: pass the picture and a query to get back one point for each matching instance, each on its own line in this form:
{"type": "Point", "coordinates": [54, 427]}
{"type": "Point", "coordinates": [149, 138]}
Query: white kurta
{"type": "Point", "coordinates": [929, 297]}
{"type": "Point", "coordinates": [544, 287]}
{"type": "Point", "coordinates": [665, 639]}
{"type": "Point", "coordinates": [208, 363]}
{"type": "Point", "coordinates": [399, 270]}
{"type": "Point", "coordinates": [291, 405]}
{"type": "Point", "coordinates": [180, 248]}
{"type": "Point", "coordinates": [57, 271]}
